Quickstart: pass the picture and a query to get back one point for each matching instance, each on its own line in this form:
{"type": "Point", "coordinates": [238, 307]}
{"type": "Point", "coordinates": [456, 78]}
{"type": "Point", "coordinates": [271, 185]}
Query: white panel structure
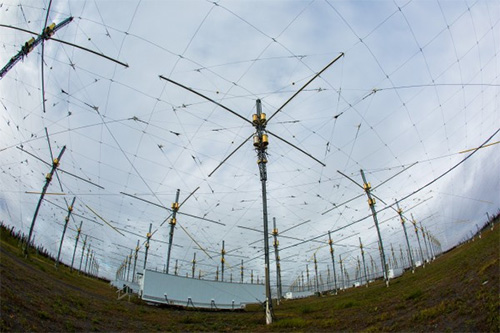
{"type": "Point", "coordinates": [177, 290]}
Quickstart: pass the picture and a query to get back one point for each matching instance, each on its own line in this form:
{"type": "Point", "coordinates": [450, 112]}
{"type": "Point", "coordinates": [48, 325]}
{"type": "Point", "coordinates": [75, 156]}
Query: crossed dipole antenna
{"type": "Point", "coordinates": [172, 218]}
{"type": "Point", "coordinates": [47, 33]}
{"type": "Point", "coordinates": [260, 143]}
{"type": "Point", "coordinates": [48, 178]}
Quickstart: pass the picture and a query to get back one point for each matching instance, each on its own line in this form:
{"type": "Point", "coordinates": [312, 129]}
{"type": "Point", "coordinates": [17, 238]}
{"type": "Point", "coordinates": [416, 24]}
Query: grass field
{"type": "Point", "coordinates": [459, 291]}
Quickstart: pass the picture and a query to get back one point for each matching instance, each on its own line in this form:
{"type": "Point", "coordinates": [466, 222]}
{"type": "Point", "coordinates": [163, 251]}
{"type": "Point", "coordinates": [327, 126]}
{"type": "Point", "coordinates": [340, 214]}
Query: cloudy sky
{"type": "Point", "coordinates": [418, 84]}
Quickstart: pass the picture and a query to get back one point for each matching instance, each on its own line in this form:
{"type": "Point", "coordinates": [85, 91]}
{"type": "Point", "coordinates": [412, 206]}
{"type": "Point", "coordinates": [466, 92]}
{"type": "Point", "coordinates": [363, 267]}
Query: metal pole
{"type": "Point", "coordinates": [371, 203]}
{"type": "Point", "coordinates": [418, 239]}
{"type": "Point", "coordinates": [277, 256]}
{"type": "Point", "coordinates": [364, 262]}
{"type": "Point", "coordinates": [194, 265]}
{"type": "Point", "coordinates": [261, 142]}
{"type": "Point", "coordinates": [400, 212]}
{"type": "Point", "coordinates": [83, 253]}
{"type": "Point", "coordinates": [48, 178]}
{"type": "Point", "coordinates": [316, 272]}
{"type": "Point", "coordinates": [148, 237]}
{"type": "Point", "coordinates": [341, 272]}
{"type": "Point", "coordinates": [425, 241]}
{"type": "Point", "coordinates": [222, 261]}
{"type": "Point", "coordinates": [76, 244]}
{"type": "Point", "coordinates": [241, 267]}
{"type": "Point", "coordinates": [66, 220]}
{"type": "Point", "coordinates": [173, 221]}
{"type": "Point", "coordinates": [332, 254]}
{"type": "Point", "coordinates": [87, 258]}
{"type": "Point", "coordinates": [135, 260]}
{"type": "Point", "coordinates": [129, 262]}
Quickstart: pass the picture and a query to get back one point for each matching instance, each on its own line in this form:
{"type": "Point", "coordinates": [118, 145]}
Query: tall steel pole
{"type": "Point", "coordinates": [341, 271]}
{"type": "Point", "coordinates": [425, 241]}
{"type": "Point", "coordinates": [193, 269]}
{"type": "Point", "coordinates": [418, 239]}
{"type": "Point", "coordinates": [371, 203]}
{"type": "Point", "coordinates": [277, 256]}
{"type": "Point", "coordinates": [316, 274]}
{"type": "Point", "coordinates": [148, 237]}
{"type": "Point", "coordinates": [332, 254]}
{"type": "Point", "coordinates": [83, 253]}
{"type": "Point", "coordinates": [173, 221]}
{"type": "Point", "coordinates": [48, 178]}
{"type": "Point", "coordinates": [364, 262]}
{"type": "Point", "coordinates": [400, 212]}
{"type": "Point", "coordinates": [66, 220]}
{"type": "Point", "coordinates": [135, 260]}
{"type": "Point", "coordinates": [260, 142]}
{"type": "Point", "coordinates": [76, 244]}
{"type": "Point", "coordinates": [241, 271]}
{"type": "Point", "coordinates": [222, 261]}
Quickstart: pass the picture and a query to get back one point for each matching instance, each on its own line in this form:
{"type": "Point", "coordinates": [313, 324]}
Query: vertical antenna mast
{"type": "Point", "coordinates": [48, 178]}
{"type": "Point", "coordinates": [400, 212]}
{"type": "Point", "coordinates": [277, 255]}
{"type": "Point", "coordinates": [148, 238]}
{"type": "Point", "coordinates": [76, 244]}
{"type": "Point", "coordinates": [260, 142]}
{"type": "Point", "coordinates": [173, 221]}
{"type": "Point", "coordinates": [66, 220]}
{"type": "Point", "coordinates": [332, 254]}
{"type": "Point", "coordinates": [371, 203]}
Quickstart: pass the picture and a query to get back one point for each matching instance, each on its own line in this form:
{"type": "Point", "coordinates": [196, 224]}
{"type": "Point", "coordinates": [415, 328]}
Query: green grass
{"type": "Point", "coordinates": [457, 292]}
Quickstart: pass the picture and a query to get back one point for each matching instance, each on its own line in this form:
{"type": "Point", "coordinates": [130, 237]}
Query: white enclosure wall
{"type": "Point", "coordinates": [177, 290]}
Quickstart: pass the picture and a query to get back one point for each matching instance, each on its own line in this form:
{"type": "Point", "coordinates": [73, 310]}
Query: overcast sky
{"type": "Point", "coordinates": [417, 85]}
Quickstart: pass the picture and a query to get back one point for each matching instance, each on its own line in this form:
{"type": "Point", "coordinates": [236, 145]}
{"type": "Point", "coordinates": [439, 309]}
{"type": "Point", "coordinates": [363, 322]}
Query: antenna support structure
{"type": "Point", "coordinates": [260, 142]}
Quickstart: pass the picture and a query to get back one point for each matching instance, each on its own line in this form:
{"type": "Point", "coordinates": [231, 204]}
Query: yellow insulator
{"type": "Point", "coordinates": [55, 162]}
{"type": "Point", "coordinates": [265, 140]}
{"type": "Point", "coordinates": [261, 161]}
{"type": "Point", "coordinates": [175, 206]}
{"type": "Point", "coordinates": [262, 118]}
{"type": "Point", "coordinates": [31, 41]}
{"type": "Point", "coordinates": [400, 211]}
{"type": "Point", "coordinates": [275, 231]}
{"type": "Point", "coordinates": [66, 219]}
{"type": "Point", "coordinates": [148, 235]}
{"type": "Point", "coordinates": [279, 258]}
{"type": "Point", "coordinates": [256, 141]}
{"type": "Point", "coordinates": [276, 243]}
{"type": "Point", "coordinates": [371, 201]}
{"type": "Point", "coordinates": [330, 241]}
{"type": "Point", "coordinates": [255, 119]}
{"type": "Point", "coordinates": [48, 176]}
{"type": "Point", "coordinates": [222, 260]}
{"type": "Point", "coordinates": [137, 248]}
{"type": "Point", "coordinates": [223, 252]}
{"type": "Point", "coordinates": [147, 245]}
{"type": "Point", "coordinates": [70, 208]}
{"type": "Point", "coordinates": [173, 221]}
{"type": "Point", "coordinates": [331, 250]}
{"type": "Point", "coordinates": [78, 230]}
{"type": "Point", "coordinates": [367, 186]}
